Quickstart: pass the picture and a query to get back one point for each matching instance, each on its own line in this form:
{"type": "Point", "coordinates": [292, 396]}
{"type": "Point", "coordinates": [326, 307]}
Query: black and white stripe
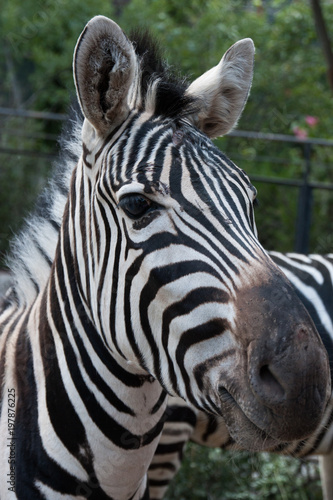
{"type": "Point", "coordinates": [312, 277]}
{"type": "Point", "coordinates": [130, 279]}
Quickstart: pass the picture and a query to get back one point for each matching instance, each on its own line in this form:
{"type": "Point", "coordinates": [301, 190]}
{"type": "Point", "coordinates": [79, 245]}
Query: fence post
{"type": "Point", "coordinates": [304, 208]}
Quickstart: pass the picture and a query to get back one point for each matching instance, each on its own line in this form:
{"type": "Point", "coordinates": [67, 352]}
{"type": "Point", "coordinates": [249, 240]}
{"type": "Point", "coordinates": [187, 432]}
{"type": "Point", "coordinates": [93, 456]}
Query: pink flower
{"type": "Point", "coordinates": [311, 120]}
{"type": "Point", "coordinates": [300, 132]}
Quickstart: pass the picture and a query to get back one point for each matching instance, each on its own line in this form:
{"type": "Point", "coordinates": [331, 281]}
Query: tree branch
{"type": "Point", "coordinates": [324, 39]}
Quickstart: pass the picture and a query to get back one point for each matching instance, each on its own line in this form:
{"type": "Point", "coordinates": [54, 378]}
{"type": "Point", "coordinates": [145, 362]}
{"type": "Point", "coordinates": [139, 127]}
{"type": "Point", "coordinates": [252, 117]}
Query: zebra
{"type": "Point", "coordinates": [137, 301]}
{"type": "Point", "coordinates": [312, 277]}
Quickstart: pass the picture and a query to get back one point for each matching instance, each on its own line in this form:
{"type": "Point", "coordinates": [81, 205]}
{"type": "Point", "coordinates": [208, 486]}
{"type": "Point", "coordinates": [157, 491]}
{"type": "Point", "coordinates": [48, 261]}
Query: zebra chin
{"type": "Point", "coordinates": [246, 434]}
{"type": "Point", "coordinates": [278, 401]}
{"type": "Point", "coordinates": [264, 433]}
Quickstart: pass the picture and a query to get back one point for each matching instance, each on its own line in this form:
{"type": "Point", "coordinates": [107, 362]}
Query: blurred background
{"type": "Point", "coordinates": [284, 141]}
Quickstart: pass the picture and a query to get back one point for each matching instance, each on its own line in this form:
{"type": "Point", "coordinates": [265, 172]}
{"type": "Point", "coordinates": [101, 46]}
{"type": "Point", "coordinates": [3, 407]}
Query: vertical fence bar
{"type": "Point", "coordinates": [304, 207]}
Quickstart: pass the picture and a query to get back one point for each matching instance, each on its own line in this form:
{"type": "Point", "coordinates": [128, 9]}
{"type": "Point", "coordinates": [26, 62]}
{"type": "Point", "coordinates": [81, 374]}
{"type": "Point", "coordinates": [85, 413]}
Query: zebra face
{"type": "Point", "coordinates": [182, 289]}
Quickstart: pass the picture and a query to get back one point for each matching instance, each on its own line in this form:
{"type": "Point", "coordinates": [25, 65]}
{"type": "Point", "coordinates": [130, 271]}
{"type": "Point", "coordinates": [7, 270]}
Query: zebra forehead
{"type": "Point", "coordinates": [176, 146]}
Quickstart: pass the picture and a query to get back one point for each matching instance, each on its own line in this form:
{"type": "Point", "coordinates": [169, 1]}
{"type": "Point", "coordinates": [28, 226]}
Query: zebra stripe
{"type": "Point", "coordinates": [312, 277]}
{"type": "Point", "coordinates": [155, 254]}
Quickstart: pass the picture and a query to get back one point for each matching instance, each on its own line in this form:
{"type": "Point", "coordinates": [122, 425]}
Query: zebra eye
{"type": "Point", "coordinates": [135, 205]}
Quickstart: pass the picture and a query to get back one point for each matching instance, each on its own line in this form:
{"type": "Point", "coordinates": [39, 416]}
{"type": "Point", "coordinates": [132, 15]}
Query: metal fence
{"type": "Point", "coordinates": [304, 184]}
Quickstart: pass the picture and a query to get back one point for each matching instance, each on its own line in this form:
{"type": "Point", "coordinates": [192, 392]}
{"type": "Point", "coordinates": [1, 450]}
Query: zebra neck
{"type": "Point", "coordinates": [84, 419]}
{"type": "Point", "coordinates": [104, 419]}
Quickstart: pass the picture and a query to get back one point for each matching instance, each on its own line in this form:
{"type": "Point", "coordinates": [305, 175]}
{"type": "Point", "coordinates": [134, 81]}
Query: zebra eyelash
{"type": "Point", "coordinates": [135, 205]}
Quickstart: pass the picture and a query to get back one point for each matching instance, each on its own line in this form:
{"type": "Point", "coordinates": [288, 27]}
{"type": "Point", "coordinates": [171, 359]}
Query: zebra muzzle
{"type": "Point", "coordinates": [278, 384]}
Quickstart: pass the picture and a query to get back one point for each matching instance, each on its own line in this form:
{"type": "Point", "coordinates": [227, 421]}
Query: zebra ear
{"type": "Point", "coordinates": [223, 90]}
{"type": "Point", "coordinates": [104, 67]}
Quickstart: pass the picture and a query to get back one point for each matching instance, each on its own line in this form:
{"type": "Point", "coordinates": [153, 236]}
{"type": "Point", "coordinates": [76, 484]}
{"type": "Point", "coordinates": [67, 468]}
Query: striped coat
{"type": "Point", "coordinates": [157, 285]}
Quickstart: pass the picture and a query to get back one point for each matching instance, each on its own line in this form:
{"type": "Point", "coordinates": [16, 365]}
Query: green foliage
{"type": "Point", "coordinates": [213, 474]}
{"type": "Point", "coordinates": [21, 176]}
{"type": "Point", "coordinates": [41, 36]}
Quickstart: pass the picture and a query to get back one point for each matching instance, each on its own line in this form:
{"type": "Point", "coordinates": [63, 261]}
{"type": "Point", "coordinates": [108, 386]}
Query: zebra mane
{"type": "Point", "coordinates": [32, 250]}
{"type": "Point", "coordinates": [169, 97]}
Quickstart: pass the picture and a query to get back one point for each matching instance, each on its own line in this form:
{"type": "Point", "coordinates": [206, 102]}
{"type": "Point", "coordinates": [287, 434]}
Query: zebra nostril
{"type": "Point", "coordinates": [270, 384]}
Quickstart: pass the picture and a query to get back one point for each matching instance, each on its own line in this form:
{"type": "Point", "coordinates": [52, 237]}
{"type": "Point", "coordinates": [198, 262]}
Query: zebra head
{"type": "Point", "coordinates": [168, 260]}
